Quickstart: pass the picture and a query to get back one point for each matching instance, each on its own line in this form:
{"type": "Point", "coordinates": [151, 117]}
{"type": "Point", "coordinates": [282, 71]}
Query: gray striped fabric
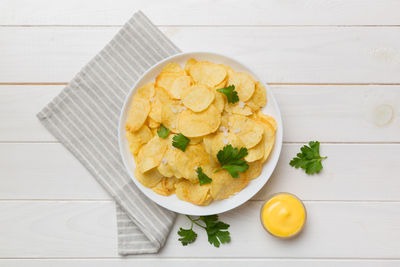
{"type": "Point", "coordinates": [84, 117]}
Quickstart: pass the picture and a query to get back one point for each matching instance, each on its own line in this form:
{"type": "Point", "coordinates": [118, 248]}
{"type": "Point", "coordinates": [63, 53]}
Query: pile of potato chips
{"type": "Point", "coordinates": [185, 101]}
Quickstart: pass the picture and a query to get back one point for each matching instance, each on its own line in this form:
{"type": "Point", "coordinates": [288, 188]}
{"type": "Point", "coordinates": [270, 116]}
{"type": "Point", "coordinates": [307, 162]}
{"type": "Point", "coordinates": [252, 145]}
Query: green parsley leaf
{"type": "Point", "coordinates": [163, 132]}
{"type": "Point", "coordinates": [203, 178]}
{"type": "Point", "coordinates": [231, 159]}
{"type": "Point", "coordinates": [309, 158]}
{"type": "Point", "coordinates": [187, 236]}
{"type": "Point", "coordinates": [230, 93]}
{"type": "Point", "coordinates": [180, 141]}
{"type": "Point", "coordinates": [213, 229]}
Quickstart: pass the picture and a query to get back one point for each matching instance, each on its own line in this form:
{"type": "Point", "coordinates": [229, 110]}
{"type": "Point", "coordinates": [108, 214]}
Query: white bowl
{"type": "Point", "coordinates": [172, 202]}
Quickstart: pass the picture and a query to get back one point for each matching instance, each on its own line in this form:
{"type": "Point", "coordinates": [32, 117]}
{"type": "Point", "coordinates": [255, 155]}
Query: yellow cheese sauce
{"type": "Point", "coordinates": [283, 215]}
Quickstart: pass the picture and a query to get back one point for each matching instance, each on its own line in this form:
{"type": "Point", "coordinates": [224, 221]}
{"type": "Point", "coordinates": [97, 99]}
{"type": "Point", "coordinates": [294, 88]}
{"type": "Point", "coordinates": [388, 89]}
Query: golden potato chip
{"type": "Point", "coordinates": [250, 132]}
{"type": "Point", "coordinates": [269, 140]}
{"type": "Point", "coordinates": [255, 169]}
{"type": "Point", "coordinates": [195, 124]}
{"type": "Point", "coordinates": [207, 73]}
{"type": "Point", "coordinates": [166, 186]}
{"type": "Point", "coordinates": [222, 139]}
{"type": "Point", "coordinates": [174, 68]}
{"type": "Point", "coordinates": [156, 110]}
{"type": "Point", "coordinates": [222, 84]}
{"type": "Point", "coordinates": [150, 154]}
{"type": "Point", "coordinates": [196, 140]}
{"type": "Point", "coordinates": [198, 97]}
{"type": "Point", "coordinates": [164, 168]}
{"type": "Point", "coordinates": [170, 115]}
{"type": "Point", "coordinates": [149, 179]}
{"type": "Point", "coordinates": [180, 86]}
{"type": "Point", "coordinates": [166, 80]}
{"type": "Point", "coordinates": [219, 101]}
{"type": "Point", "coordinates": [259, 98]}
{"type": "Point", "coordinates": [194, 193]}
{"type": "Point", "coordinates": [223, 185]}
{"type": "Point", "coordinates": [194, 156]}
{"type": "Point", "coordinates": [267, 119]}
{"type": "Point", "coordinates": [189, 63]}
{"type": "Point", "coordinates": [138, 138]}
{"type": "Point", "coordinates": [162, 95]}
{"type": "Point", "coordinates": [244, 85]}
{"type": "Point", "coordinates": [146, 91]}
{"type": "Point", "coordinates": [238, 108]}
{"type": "Point", "coordinates": [137, 115]}
{"type": "Point", "coordinates": [256, 152]}
{"type": "Point", "coordinates": [152, 123]}
{"type": "Point", "coordinates": [207, 142]}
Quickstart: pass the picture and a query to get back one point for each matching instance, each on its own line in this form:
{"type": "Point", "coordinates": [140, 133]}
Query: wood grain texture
{"type": "Point", "coordinates": [196, 262]}
{"type": "Point", "coordinates": [279, 55]}
{"type": "Point", "coordinates": [177, 12]}
{"type": "Point", "coordinates": [343, 113]}
{"type": "Point", "coordinates": [54, 229]}
{"type": "Point", "coordinates": [352, 172]}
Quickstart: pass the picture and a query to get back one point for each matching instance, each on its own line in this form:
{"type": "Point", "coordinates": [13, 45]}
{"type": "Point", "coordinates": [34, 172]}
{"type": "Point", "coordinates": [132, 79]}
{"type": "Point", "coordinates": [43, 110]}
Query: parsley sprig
{"type": "Point", "coordinates": [230, 93]}
{"type": "Point", "coordinates": [203, 178]}
{"type": "Point", "coordinates": [180, 141]}
{"type": "Point", "coordinates": [231, 159]}
{"type": "Point", "coordinates": [163, 132]}
{"type": "Point", "coordinates": [214, 229]}
{"type": "Point", "coordinates": [309, 158]}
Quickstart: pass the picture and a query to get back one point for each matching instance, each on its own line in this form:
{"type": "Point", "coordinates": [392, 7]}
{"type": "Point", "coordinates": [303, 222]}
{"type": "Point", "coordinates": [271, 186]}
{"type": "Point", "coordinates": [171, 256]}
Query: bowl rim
{"type": "Point", "coordinates": [277, 146]}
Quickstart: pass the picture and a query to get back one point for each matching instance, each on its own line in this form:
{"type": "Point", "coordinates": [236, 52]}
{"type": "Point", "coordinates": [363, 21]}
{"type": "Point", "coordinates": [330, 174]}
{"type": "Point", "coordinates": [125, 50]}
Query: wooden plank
{"type": "Point", "coordinates": [351, 172]}
{"type": "Point", "coordinates": [88, 229]}
{"type": "Point", "coordinates": [253, 12]}
{"type": "Point", "coordinates": [320, 112]}
{"type": "Point", "coordinates": [279, 54]}
{"type": "Point", "coordinates": [154, 262]}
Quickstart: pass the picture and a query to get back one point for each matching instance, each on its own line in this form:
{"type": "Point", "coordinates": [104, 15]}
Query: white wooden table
{"type": "Point", "coordinates": [334, 67]}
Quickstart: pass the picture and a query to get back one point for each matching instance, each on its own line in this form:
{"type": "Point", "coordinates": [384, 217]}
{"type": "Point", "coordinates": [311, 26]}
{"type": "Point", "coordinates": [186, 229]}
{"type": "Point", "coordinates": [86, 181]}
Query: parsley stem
{"type": "Point", "coordinates": [194, 221]}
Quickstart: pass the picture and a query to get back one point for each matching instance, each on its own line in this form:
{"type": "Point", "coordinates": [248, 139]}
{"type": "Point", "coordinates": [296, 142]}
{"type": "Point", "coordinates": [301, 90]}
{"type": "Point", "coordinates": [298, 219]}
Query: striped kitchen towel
{"type": "Point", "coordinates": [84, 118]}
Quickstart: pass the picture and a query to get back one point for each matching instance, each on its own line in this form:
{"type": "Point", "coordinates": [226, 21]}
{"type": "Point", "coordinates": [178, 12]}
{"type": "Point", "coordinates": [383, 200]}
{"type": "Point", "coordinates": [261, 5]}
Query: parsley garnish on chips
{"type": "Point", "coordinates": [231, 159]}
{"type": "Point", "coordinates": [203, 178]}
{"type": "Point", "coordinates": [230, 93]}
{"type": "Point", "coordinates": [163, 132]}
{"type": "Point", "coordinates": [309, 158]}
{"type": "Point", "coordinates": [180, 141]}
{"type": "Point", "coordinates": [214, 229]}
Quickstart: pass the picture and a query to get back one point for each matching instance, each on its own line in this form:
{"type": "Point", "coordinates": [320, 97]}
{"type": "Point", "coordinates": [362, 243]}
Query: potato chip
{"type": "Point", "coordinates": [174, 68]}
{"type": "Point", "coordinates": [196, 140]}
{"type": "Point", "coordinates": [166, 80]}
{"type": "Point", "coordinates": [180, 86]}
{"type": "Point", "coordinates": [150, 154]}
{"type": "Point", "coordinates": [255, 169]}
{"type": "Point", "coordinates": [222, 139]}
{"type": "Point", "coordinates": [189, 63]}
{"type": "Point", "coordinates": [194, 193]}
{"type": "Point", "coordinates": [156, 110]}
{"type": "Point", "coordinates": [146, 91]}
{"type": "Point", "coordinates": [238, 108]}
{"type": "Point", "coordinates": [138, 138]}
{"type": "Point", "coordinates": [223, 185]}
{"type": "Point", "coordinates": [148, 179]}
{"type": "Point", "coordinates": [269, 140]}
{"type": "Point", "coordinates": [250, 132]}
{"type": "Point", "coordinates": [194, 124]}
{"type": "Point", "coordinates": [244, 85]}
{"type": "Point", "coordinates": [170, 164]}
{"type": "Point", "coordinates": [162, 95]}
{"type": "Point", "coordinates": [222, 84]}
{"type": "Point", "coordinates": [164, 168]}
{"type": "Point", "coordinates": [152, 123]}
{"type": "Point", "coordinates": [207, 73]}
{"type": "Point", "coordinates": [207, 142]}
{"type": "Point", "coordinates": [138, 112]}
{"type": "Point", "coordinates": [259, 98]}
{"type": "Point", "coordinates": [198, 97]}
{"type": "Point", "coordinates": [219, 101]}
{"type": "Point", "coordinates": [170, 115]}
{"type": "Point", "coordinates": [166, 186]}
{"type": "Point", "coordinates": [256, 152]}
{"type": "Point", "coordinates": [187, 162]}
{"type": "Point", "coordinates": [267, 119]}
